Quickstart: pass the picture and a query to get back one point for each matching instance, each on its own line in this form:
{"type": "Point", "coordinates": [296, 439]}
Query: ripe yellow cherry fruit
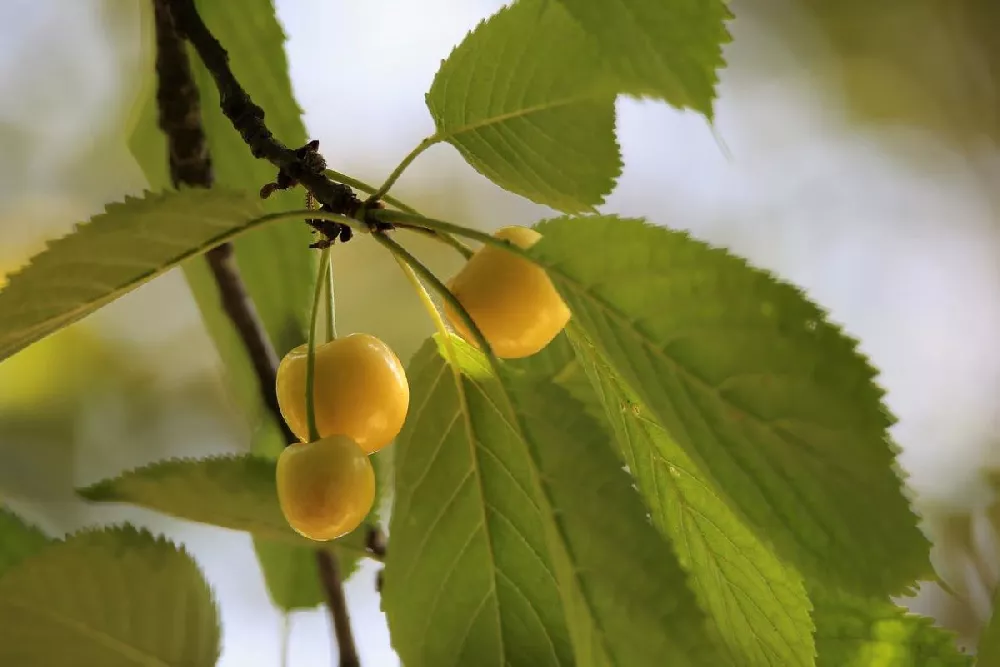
{"type": "Point", "coordinates": [359, 390]}
{"type": "Point", "coordinates": [325, 488]}
{"type": "Point", "coordinates": [511, 300]}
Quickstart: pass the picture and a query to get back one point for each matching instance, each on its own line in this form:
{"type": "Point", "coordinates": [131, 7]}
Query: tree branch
{"type": "Point", "coordinates": [191, 165]}
{"type": "Point", "coordinates": [304, 165]}
{"type": "Point", "coordinates": [329, 574]}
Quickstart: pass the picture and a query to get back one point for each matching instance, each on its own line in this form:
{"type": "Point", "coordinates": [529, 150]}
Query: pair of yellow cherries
{"type": "Point", "coordinates": [361, 396]}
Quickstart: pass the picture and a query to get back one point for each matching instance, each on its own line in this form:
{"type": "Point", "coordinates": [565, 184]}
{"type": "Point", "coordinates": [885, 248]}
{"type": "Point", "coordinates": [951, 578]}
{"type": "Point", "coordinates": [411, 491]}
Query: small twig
{"type": "Point", "coordinates": [303, 165]}
{"type": "Point", "coordinates": [190, 164]}
{"type": "Point", "coordinates": [329, 574]}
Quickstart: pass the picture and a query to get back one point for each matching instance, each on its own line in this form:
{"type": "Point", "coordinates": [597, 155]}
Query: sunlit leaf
{"type": "Point", "coordinates": [858, 632]}
{"type": "Point", "coordinates": [757, 603]}
{"type": "Point", "coordinates": [669, 49]}
{"type": "Point", "coordinates": [118, 597]}
{"type": "Point", "coordinates": [774, 404]}
{"type": "Point", "coordinates": [503, 523]}
{"type": "Point", "coordinates": [525, 100]}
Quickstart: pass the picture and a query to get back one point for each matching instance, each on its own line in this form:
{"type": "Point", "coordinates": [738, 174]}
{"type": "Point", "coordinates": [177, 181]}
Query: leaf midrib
{"type": "Point", "coordinates": [463, 406]}
{"type": "Point", "coordinates": [441, 135]}
{"type": "Point", "coordinates": [516, 425]}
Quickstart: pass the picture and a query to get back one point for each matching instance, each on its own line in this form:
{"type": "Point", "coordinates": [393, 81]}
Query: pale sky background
{"type": "Point", "coordinates": [886, 228]}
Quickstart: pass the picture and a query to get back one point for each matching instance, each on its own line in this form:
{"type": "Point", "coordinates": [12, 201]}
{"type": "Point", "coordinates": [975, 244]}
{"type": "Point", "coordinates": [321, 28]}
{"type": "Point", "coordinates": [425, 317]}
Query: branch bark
{"type": "Point", "coordinates": [303, 165]}
{"type": "Point", "coordinates": [329, 574]}
{"type": "Point", "coordinates": [191, 165]}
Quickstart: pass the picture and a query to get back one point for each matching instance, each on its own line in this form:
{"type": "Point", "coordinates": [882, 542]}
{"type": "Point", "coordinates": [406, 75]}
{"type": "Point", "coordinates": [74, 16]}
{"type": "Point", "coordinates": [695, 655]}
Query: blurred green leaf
{"type": "Point", "coordinates": [118, 597]}
{"type": "Point", "coordinates": [114, 253]}
{"type": "Point", "coordinates": [18, 540]}
{"type": "Point", "coordinates": [858, 632]}
{"type": "Point", "coordinates": [774, 404]}
{"type": "Point", "coordinates": [669, 49]}
{"type": "Point", "coordinates": [934, 65]}
{"type": "Point", "coordinates": [526, 101]}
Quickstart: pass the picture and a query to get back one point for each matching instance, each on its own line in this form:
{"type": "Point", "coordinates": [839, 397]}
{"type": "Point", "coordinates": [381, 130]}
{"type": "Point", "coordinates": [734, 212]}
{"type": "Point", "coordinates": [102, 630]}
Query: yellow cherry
{"type": "Point", "coordinates": [325, 488]}
{"type": "Point", "coordinates": [511, 300]}
{"type": "Point", "coordinates": [360, 390]}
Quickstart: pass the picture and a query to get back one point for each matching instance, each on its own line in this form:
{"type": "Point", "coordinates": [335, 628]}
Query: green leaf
{"type": "Point", "coordinates": [774, 404]}
{"type": "Point", "coordinates": [669, 49]}
{"type": "Point", "coordinates": [502, 517]}
{"type": "Point", "coordinates": [758, 604]}
{"type": "Point", "coordinates": [235, 492]}
{"type": "Point", "coordinates": [988, 650]}
{"type": "Point", "coordinates": [18, 540]}
{"type": "Point", "coordinates": [628, 606]}
{"type": "Point", "coordinates": [129, 244]}
{"type": "Point", "coordinates": [276, 263]}
{"type": "Point", "coordinates": [525, 100]}
{"type": "Point", "coordinates": [859, 632]}
{"type": "Point", "coordinates": [468, 577]}
{"type": "Point", "coordinates": [118, 597]}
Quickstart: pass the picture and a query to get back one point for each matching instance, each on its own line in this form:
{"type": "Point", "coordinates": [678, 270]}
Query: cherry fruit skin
{"type": "Point", "coordinates": [511, 300]}
{"type": "Point", "coordinates": [359, 390]}
{"type": "Point", "coordinates": [325, 488]}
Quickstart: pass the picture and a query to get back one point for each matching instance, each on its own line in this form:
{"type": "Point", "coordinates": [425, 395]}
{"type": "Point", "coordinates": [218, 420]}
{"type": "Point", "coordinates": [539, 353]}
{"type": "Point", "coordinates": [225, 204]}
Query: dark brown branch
{"type": "Point", "coordinates": [303, 165]}
{"type": "Point", "coordinates": [329, 574]}
{"type": "Point", "coordinates": [190, 164]}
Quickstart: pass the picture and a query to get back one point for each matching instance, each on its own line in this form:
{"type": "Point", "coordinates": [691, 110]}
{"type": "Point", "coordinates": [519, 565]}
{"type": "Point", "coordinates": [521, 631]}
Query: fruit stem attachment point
{"type": "Point", "coordinates": [322, 282]}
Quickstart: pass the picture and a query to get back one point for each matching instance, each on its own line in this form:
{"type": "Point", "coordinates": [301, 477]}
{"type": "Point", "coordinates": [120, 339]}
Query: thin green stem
{"type": "Point", "coordinates": [286, 633]}
{"type": "Point", "coordinates": [442, 237]}
{"type": "Point", "coordinates": [369, 190]}
{"type": "Point", "coordinates": [426, 300]}
{"type": "Point", "coordinates": [331, 303]}
{"type": "Point", "coordinates": [321, 280]}
{"type": "Point", "coordinates": [419, 288]}
{"type": "Point", "coordinates": [401, 167]}
{"type": "Point", "coordinates": [426, 274]}
{"type": "Point", "coordinates": [403, 219]}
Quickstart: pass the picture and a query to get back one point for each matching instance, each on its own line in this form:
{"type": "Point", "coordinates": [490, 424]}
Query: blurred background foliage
{"type": "Point", "coordinates": [854, 153]}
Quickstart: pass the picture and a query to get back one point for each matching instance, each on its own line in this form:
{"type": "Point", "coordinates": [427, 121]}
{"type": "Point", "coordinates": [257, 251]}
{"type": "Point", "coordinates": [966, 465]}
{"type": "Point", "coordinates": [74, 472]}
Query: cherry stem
{"type": "Point", "coordinates": [331, 303]}
{"type": "Point", "coordinates": [401, 167]}
{"type": "Point", "coordinates": [426, 274]}
{"type": "Point", "coordinates": [369, 190]}
{"type": "Point", "coordinates": [322, 283]}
